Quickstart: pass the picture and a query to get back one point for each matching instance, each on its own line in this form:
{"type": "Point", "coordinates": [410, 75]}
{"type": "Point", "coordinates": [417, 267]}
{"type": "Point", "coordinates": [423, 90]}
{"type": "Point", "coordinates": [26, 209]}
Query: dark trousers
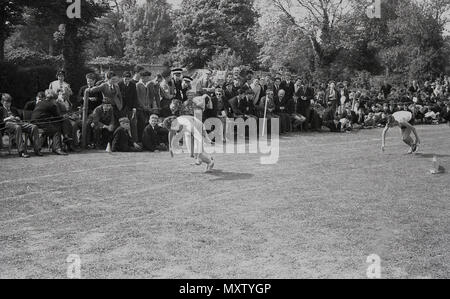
{"type": "Point", "coordinates": [102, 136]}
{"type": "Point", "coordinates": [53, 131]}
{"type": "Point", "coordinates": [142, 117]}
{"type": "Point", "coordinates": [17, 129]}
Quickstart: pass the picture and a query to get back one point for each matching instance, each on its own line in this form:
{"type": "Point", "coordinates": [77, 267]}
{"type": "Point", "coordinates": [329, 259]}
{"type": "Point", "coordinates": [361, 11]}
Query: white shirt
{"type": "Point", "coordinates": [402, 116]}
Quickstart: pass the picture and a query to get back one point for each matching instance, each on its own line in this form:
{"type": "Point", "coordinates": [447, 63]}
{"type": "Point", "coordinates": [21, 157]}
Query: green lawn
{"type": "Point", "coordinates": [330, 202]}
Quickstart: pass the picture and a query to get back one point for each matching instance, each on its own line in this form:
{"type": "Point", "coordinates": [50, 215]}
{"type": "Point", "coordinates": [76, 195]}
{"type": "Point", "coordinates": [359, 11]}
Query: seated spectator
{"type": "Point", "coordinates": [103, 124]}
{"type": "Point", "coordinates": [10, 120]}
{"type": "Point", "coordinates": [70, 123]}
{"type": "Point", "coordinates": [29, 106]}
{"type": "Point", "coordinates": [329, 118]}
{"type": "Point", "coordinates": [155, 137]}
{"type": "Point", "coordinates": [48, 119]}
{"type": "Point", "coordinates": [122, 140]}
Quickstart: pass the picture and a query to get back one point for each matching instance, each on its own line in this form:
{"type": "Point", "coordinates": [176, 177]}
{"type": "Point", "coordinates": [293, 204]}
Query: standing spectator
{"type": "Point", "coordinates": [144, 103]}
{"type": "Point", "coordinates": [62, 89]}
{"type": "Point", "coordinates": [10, 120]}
{"type": "Point", "coordinates": [137, 74]}
{"type": "Point", "coordinates": [175, 84]}
{"type": "Point", "coordinates": [110, 89]}
{"type": "Point", "coordinates": [129, 95]}
{"type": "Point", "coordinates": [276, 87]}
{"type": "Point", "coordinates": [332, 95]}
{"type": "Point", "coordinates": [95, 99]}
{"type": "Point", "coordinates": [386, 89]}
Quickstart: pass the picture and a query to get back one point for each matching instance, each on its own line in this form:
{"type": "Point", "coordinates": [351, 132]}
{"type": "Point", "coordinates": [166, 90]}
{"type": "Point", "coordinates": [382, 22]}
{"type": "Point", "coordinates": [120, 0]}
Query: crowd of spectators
{"type": "Point", "coordinates": [126, 113]}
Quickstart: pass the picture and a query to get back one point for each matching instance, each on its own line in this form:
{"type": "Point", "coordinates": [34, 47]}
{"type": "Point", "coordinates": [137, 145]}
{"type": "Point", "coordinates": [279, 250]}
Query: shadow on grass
{"type": "Point", "coordinates": [431, 156]}
{"type": "Point", "coordinates": [229, 176]}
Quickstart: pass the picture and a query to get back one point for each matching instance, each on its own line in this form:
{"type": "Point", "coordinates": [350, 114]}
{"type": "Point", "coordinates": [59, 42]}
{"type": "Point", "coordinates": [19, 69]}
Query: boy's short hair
{"type": "Point", "coordinates": [6, 97]}
{"type": "Point", "coordinates": [110, 75]}
{"type": "Point", "coordinates": [91, 76]}
{"type": "Point", "coordinates": [138, 69]}
{"type": "Point", "coordinates": [146, 74]}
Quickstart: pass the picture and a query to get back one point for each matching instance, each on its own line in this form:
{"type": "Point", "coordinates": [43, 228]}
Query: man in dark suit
{"type": "Point", "coordinates": [129, 95]}
{"type": "Point", "coordinates": [155, 138]}
{"type": "Point", "coordinates": [288, 87]}
{"type": "Point", "coordinates": [276, 87]}
{"type": "Point", "coordinates": [305, 94]}
{"type": "Point", "coordinates": [281, 109]}
{"type": "Point", "coordinates": [10, 120]}
{"type": "Point", "coordinates": [47, 117]}
{"type": "Point", "coordinates": [235, 103]}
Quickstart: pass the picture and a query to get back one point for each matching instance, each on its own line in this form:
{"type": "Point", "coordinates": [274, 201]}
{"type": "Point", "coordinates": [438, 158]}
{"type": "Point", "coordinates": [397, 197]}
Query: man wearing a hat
{"type": "Point", "coordinates": [175, 84]}
{"type": "Point", "coordinates": [10, 120]}
{"type": "Point", "coordinates": [122, 140]}
{"type": "Point", "coordinates": [103, 124]}
{"type": "Point", "coordinates": [186, 86]}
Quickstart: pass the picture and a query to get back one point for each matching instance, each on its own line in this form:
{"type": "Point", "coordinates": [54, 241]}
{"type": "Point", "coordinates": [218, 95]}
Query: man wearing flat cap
{"type": "Point", "coordinates": [103, 124]}
{"type": "Point", "coordinates": [122, 140]}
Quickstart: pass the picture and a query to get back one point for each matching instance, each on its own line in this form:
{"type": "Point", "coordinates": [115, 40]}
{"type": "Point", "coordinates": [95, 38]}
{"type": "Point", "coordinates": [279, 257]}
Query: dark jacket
{"type": "Point", "coordinates": [95, 101]}
{"type": "Point", "coordinates": [102, 118]}
{"type": "Point", "coordinates": [122, 141]}
{"type": "Point", "coordinates": [153, 138]}
{"type": "Point", "coordinates": [129, 95]}
{"type": "Point", "coordinates": [45, 111]}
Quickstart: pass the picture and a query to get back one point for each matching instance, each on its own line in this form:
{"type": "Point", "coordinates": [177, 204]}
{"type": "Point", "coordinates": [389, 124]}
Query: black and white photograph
{"type": "Point", "coordinates": [224, 140]}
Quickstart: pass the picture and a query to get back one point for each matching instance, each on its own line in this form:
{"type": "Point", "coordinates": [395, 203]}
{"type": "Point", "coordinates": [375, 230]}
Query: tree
{"type": "Point", "coordinates": [408, 39]}
{"type": "Point", "coordinates": [225, 61]}
{"type": "Point", "coordinates": [317, 19]}
{"type": "Point", "coordinates": [10, 16]}
{"type": "Point", "coordinates": [207, 27]}
{"type": "Point", "coordinates": [284, 47]}
{"type": "Point", "coordinates": [73, 33]}
{"type": "Point", "coordinates": [108, 32]}
{"type": "Point", "coordinates": [149, 31]}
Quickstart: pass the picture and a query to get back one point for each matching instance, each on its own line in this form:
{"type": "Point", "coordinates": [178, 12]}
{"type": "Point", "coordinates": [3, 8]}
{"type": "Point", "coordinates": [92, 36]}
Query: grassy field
{"type": "Point", "coordinates": [330, 202]}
